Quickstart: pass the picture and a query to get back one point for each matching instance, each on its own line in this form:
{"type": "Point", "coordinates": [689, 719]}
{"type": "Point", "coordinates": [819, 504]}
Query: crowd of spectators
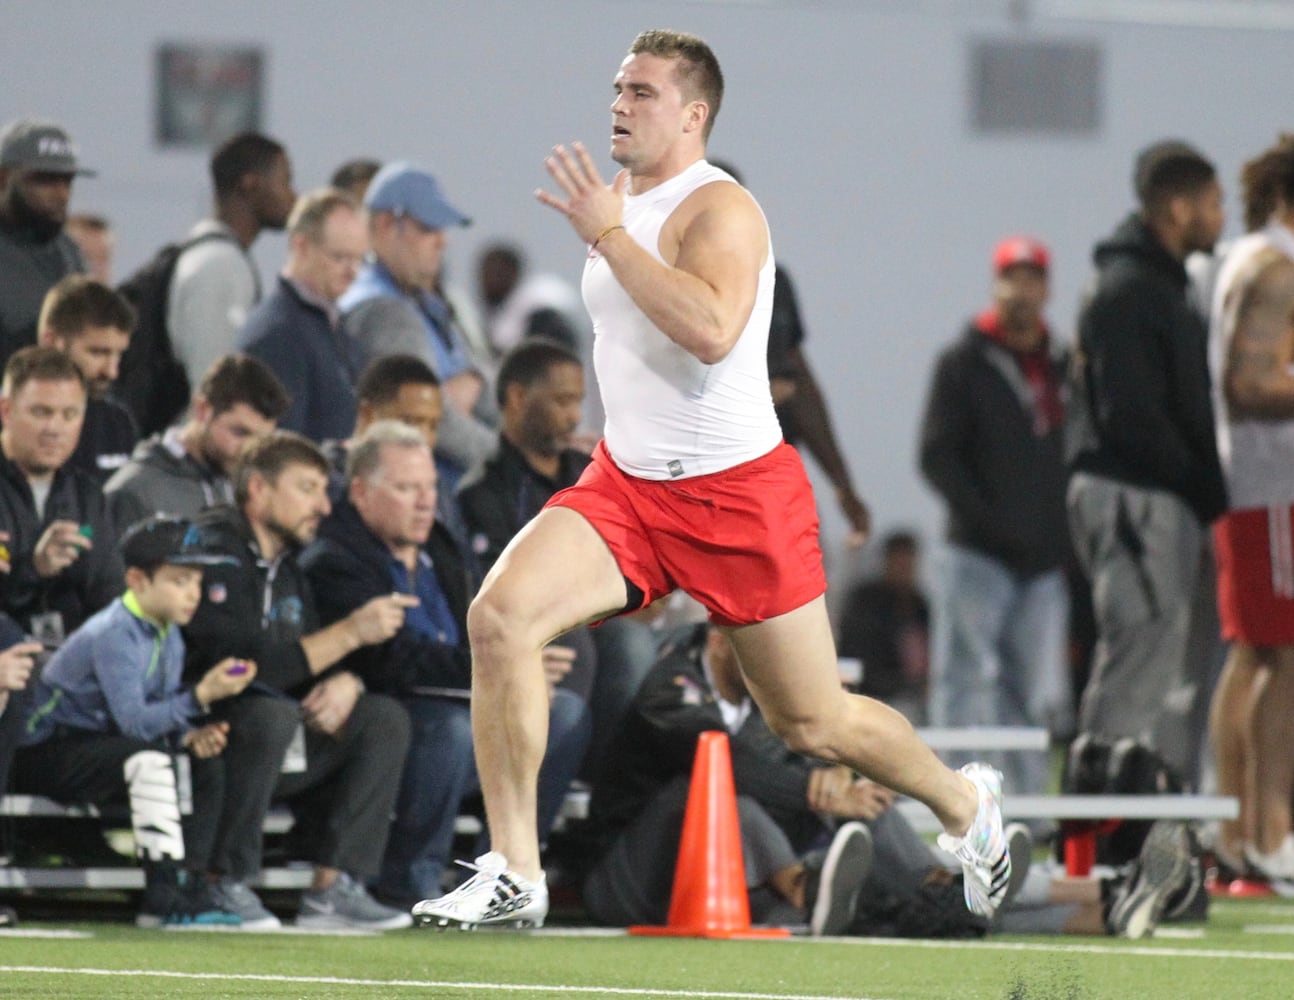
{"type": "Point", "coordinates": [261, 596]}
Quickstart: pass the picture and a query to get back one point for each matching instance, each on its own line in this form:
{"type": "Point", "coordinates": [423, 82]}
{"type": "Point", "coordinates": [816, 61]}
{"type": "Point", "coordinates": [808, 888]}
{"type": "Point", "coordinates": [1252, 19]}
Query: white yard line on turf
{"type": "Point", "coordinates": [1269, 928]}
{"type": "Point", "coordinates": [1146, 951]}
{"type": "Point", "coordinates": [1249, 909]}
{"type": "Point", "coordinates": [422, 984]}
{"type": "Point", "coordinates": [32, 932]}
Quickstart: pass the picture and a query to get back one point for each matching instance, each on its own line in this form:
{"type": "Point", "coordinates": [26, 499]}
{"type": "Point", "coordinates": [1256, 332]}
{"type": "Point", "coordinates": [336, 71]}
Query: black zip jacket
{"type": "Point", "coordinates": [348, 565]}
{"type": "Point", "coordinates": [91, 582]}
{"type": "Point", "coordinates": [1003, 483]}
{"type": "Point", "coordinates": [503, 492]}
{"type": "Point", "coordinates": [255, 609]}
{"type": "Point", "coordinates": [1141, 410]}
{"type": "Point", "coordinates": [657, 742]}
{"type": "Point", "coordinates": [108, 436]}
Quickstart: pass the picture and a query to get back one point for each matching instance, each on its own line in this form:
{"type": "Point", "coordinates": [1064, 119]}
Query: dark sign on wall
{"type": "Point", "coordinates": [1035, 86]}
{"type": "Point", "coordinates": [206, 93]}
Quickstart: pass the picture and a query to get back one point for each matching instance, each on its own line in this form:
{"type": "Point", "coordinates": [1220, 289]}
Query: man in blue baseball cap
{"type": "Point", "coordinates": [397, 304]}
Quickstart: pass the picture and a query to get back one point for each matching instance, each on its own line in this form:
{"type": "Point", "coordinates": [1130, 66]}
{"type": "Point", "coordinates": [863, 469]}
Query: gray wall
{"type": "Point", "coordinates": [849, 120]}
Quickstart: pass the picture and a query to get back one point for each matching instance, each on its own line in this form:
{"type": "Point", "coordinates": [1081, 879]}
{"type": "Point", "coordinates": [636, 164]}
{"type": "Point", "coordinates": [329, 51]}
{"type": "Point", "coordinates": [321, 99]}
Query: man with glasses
{"type": "Point", "coordinates": [297, 331]}
{"type": "Point", "coordinates": [396, 305]}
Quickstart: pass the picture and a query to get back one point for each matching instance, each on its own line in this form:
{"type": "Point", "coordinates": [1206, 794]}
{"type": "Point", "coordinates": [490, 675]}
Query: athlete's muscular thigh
{"type": "Point", "coordinates": [555, 574]}
{"type": "Point", "coordinates": [790, 666]}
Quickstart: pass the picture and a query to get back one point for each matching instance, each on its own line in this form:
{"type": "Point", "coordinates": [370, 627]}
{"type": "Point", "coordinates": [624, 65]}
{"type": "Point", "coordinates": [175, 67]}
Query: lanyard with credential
{"type": "Point", "coordinates": [267, 599]}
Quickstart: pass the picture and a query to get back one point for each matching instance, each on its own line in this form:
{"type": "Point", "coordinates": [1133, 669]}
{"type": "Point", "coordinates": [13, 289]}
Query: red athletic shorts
{"type": "Point", "coordinates": [743, 542]}
{"type": "Point", "coordinates": [1256, 575]}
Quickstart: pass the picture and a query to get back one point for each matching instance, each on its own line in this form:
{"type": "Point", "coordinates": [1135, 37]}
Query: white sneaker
{"type": "Point", "coordinates": [1279, 864]}
{"type": "Point", "coordinates": [983, 849]}
{"type": "Point", "coordinates": [493, 896]}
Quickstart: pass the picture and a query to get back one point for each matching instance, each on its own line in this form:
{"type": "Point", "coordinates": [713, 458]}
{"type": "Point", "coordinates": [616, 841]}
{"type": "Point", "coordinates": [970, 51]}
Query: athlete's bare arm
{"type": "Point", "coordinates": [1259, 384]}
{"type": "Point", "coordinates": [714, 245]}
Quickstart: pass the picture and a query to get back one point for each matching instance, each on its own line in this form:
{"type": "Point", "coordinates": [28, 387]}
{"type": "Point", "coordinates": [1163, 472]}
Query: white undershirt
{"type": "Point", "coordinates": [734, 716]}
{"type": "Point", "coordinates": [669, 415]}
{"type": "Point", "coordinates": [40, 487]}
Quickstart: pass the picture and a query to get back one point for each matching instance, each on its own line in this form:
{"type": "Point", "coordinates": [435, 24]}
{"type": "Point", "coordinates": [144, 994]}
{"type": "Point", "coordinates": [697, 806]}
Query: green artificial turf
{"type": "Point", "coordinates": [1229, 960]}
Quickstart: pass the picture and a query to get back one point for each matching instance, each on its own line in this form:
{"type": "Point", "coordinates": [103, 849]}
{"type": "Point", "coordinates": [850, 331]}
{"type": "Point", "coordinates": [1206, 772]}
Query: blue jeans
{"type": "Point", "coordinates": [999, 657]}
{"type": "Point", "coordinates": [440, 770]}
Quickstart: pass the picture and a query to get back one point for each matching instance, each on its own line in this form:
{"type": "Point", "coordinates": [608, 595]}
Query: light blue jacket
{"type": "Point", "coordinates": [118, 673]}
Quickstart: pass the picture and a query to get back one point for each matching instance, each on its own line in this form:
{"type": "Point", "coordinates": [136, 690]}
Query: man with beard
{"type": "Point", "coordinates": [37, 165]}
{"type": "Point", "coordinates": [91, 324]}
{"type": "Point", "coordinates": [1145, 479]}
{"type": "Point", "coordinates": [216, 282]}
{"type": "Point", "coordinates": [186, 469]}
{"type": "Point", "coordinates": [991, 446]}
{"type": "Point", "coordinates": [334, 750]}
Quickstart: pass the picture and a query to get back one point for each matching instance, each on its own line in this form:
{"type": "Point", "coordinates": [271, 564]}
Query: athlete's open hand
{"type": "Point", "coordinates": [591, 205]}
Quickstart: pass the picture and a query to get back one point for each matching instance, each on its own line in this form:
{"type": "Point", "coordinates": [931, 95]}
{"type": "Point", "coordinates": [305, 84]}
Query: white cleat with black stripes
{"type": "Point", "coordinates": [492, 897]}
{"type": "Point", "coordinates": [983, 850]}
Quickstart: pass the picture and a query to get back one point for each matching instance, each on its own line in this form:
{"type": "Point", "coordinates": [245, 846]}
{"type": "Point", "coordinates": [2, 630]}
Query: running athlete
{"type": "Point", "coordinates": [692, 488]}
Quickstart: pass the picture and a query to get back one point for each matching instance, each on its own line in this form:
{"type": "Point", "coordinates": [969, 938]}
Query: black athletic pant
{"type": "Point", "coordinates": [11, 723]}
{"type": "Point", "coordinates": [77, 766]}
{"type": "Point", "coordinates": [350, 782]}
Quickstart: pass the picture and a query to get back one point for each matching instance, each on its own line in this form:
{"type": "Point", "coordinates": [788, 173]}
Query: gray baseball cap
{"type": "Point", "coordinates": [32, 144]}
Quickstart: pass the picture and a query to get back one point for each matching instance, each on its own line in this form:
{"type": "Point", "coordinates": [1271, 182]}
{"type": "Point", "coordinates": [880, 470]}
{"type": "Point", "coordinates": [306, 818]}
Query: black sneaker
{"type": "Point", "coordinates": [176, 899]}
{"type": "Point", "coordinates": [1160, 871]}
{"type": "Point", "coordinates": [831, 894]}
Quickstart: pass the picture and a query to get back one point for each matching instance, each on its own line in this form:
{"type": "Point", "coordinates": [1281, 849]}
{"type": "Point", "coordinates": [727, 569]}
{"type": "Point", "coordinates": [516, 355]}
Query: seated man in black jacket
{"type": "Point", "coordinates": [382, 538]}
{"type": "Point", "coordinates": [64, 564]}
{"type": "Point", "coordinates": [316, 728]}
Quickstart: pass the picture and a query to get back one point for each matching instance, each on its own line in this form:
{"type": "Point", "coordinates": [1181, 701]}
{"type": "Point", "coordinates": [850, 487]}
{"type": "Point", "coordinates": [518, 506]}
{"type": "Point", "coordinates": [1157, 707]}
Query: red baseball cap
{"type": "Point", "coordinates": [1020, 250]}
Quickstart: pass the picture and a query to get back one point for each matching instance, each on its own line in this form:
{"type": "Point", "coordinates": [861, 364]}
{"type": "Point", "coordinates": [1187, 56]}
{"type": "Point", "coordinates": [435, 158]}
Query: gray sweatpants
{"type": "Point", "coordinates": [1159, 647]}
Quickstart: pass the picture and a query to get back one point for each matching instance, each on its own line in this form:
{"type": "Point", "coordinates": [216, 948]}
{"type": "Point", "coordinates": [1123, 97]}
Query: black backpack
{"type": "Point", "coordinates": [151, 381]}
{"type": "Point", "coordinates": [1097, 766]}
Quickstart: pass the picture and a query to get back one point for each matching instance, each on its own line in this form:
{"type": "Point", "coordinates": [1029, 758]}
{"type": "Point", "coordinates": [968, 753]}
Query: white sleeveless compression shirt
{"type": "Point", "coordinates": [669, 415]}
{"type": "Point", "coordinates": [1257, 455]}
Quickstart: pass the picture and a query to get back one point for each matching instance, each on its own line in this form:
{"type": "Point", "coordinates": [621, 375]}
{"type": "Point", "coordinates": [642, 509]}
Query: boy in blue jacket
{"type": "Point", "coordinates": [111, 721]}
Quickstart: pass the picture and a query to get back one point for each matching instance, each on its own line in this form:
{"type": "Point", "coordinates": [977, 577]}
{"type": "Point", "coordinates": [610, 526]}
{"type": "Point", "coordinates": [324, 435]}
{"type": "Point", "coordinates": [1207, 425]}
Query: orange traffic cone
{"type": "Point", "coordinates": [709, 898]}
